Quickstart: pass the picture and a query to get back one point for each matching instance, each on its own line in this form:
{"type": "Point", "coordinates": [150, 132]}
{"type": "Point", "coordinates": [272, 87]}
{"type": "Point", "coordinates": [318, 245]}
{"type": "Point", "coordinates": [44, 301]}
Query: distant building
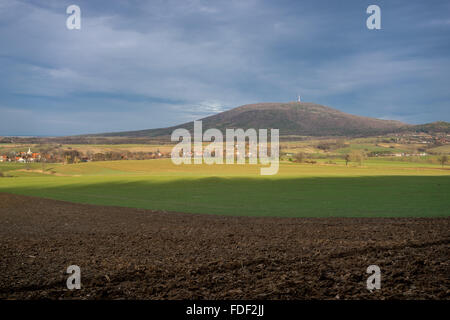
{"type": "Point", "coordinates": [28, 156]}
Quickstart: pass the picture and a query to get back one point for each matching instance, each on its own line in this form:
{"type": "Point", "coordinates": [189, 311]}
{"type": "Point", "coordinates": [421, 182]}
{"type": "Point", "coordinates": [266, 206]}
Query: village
{"type": "Point", "coordinates": [22, 157]}
{"type": "Point", "coordinates": [400, 145]}
{"type": "Point", "coordinates": [69, 155]}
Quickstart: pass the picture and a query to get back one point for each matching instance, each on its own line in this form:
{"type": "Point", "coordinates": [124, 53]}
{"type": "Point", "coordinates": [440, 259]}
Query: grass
{"type": "Point", "coordinates": [12, 166]}
{"type": "Point", "coordinates": [369, 148]}
{"type": "Point", "coordinates": [442, 149]}
{"type": "Point", "coordinates": [379, 188]}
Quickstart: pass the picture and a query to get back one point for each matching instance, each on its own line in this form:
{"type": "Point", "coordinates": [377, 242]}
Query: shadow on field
{"type": "Point", "coordinates": [381, 196]}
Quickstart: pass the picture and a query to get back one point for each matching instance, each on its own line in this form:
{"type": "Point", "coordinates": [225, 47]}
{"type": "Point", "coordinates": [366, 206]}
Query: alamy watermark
{"type": "Point", "coordinates": [373, 22]}
{"type": "Point", "coordinates": [374, 280]}
{"type": "Point", "coordinates": [74, 280]}
{"type": "Point", "coordinates": [73, 21]}
{"type": "Point", "coordinates": [236, 151]}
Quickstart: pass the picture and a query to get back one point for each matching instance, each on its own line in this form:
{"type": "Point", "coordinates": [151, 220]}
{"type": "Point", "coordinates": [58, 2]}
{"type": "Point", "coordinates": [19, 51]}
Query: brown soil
{"type": "Point", "coordinates": [142, 254]}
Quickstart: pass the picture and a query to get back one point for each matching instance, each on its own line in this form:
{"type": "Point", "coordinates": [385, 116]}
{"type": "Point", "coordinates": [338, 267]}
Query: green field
{"type": "Point", "coordinates": [379, 188]}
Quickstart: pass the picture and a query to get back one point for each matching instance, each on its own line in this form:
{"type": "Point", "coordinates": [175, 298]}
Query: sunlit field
{"type": "Point", "coordinates": [377, 188]}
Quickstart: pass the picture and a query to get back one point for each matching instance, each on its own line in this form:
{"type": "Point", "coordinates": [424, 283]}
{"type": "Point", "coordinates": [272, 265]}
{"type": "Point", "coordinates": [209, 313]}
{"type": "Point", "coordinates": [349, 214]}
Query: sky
{"type": "Point", "coordinates": [147, 64]}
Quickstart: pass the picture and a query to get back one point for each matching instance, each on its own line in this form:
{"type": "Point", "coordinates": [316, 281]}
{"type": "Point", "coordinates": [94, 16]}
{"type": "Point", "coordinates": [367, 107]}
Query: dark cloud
{"type": "Point", "coordinates": [144, 64]}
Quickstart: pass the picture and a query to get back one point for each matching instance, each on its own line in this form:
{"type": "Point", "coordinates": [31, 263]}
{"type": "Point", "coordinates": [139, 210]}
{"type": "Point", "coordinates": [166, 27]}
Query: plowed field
{"type": "Point", "coordinates": [143, 254]}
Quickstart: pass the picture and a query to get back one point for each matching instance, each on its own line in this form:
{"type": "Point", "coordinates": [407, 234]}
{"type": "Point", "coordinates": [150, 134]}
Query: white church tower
{"type": "Point", "coordinates": [298, 98]}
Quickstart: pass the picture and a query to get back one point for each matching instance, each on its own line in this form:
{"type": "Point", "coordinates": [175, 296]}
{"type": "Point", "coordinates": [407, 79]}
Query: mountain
{"type": "Point", "coordinates": [292, 118]}
{"type": "Point", "coordinates": [433, 127]}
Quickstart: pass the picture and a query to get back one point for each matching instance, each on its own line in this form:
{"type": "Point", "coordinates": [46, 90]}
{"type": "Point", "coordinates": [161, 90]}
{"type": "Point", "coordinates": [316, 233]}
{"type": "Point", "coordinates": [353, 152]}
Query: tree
{"type": "Point", "coordinates": [357, 156]}
{"type": "Point", "coordinates": [12, 155]}
{"type": "Point", "coordinates": [98, 157]}
{"type": "Point", "coordinates": [299, 157]}
{"type": "Point", "coordinates": [347, 159]}
{"type": "Point", "coordinates": [442, 160]}
{"type": "Point", "coordinates": [43, 162]}
{"type": "Point", "coordinates": [71, 156]}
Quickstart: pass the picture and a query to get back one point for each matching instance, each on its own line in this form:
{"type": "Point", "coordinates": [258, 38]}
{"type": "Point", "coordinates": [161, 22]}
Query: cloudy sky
{"type": "Point", "coordinates": [146, 64]}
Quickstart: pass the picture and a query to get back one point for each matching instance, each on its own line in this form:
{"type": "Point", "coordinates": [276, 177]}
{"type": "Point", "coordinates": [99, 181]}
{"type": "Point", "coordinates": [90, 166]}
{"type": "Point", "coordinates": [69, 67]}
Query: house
{"type": "Point", "coordinates": [30, 156]}
{"type": "Point", "coordinates": [22, 157]}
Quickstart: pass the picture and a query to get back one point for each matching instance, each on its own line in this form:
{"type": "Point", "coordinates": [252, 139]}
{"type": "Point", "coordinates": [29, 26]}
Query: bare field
{"type": "Point", "coordinates": [143, 254]}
